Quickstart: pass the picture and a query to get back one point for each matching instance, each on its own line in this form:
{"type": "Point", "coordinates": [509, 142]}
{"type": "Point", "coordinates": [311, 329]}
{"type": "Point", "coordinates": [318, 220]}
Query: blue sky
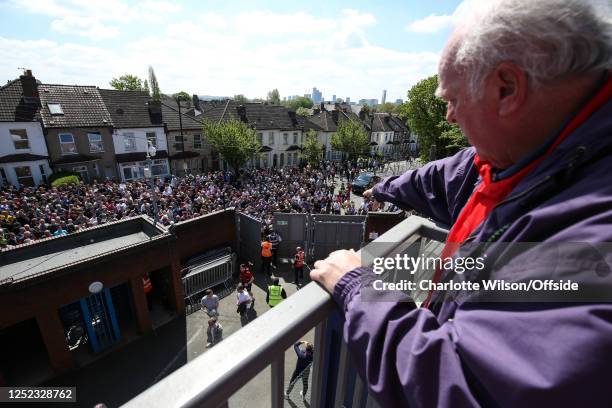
{"type": "Point", "coordinates": [353, 49]}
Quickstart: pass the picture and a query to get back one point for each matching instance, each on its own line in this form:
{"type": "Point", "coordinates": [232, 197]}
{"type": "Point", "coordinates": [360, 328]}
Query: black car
{"type": "Point", "coordinates": [363, 182]}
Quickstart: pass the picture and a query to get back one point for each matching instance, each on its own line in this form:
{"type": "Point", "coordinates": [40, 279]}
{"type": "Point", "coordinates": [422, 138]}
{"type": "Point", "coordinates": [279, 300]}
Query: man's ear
{"type": "Point", "coordinates": [511, 85]}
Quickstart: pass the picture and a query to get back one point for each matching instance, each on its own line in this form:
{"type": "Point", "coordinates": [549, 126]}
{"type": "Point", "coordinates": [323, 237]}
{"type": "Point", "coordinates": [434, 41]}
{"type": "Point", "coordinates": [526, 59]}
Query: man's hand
{"type": "Point", "coordinates": [330, 270]}
{"type": "Point", "coordinates": [369, 194]}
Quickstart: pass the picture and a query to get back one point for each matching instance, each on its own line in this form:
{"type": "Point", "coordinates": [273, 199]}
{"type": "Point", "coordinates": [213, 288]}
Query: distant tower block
{"type": "Point", "coordinates": [384, 98]}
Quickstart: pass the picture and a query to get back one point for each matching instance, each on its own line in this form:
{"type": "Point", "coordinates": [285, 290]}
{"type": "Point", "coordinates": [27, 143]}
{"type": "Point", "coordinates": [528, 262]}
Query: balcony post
{"type": "Point", "coordinates": [278, 381]}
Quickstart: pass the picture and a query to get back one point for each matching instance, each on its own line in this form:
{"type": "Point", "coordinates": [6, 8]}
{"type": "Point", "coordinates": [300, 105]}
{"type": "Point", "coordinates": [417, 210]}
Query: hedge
{"type": "Point", "coordinates": [65, 180]}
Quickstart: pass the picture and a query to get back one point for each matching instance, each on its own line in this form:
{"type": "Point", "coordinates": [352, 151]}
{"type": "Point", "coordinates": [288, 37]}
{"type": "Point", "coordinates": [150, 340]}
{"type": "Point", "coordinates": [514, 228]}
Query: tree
{"type": "Point", "coordinates": [387, 107]}
{"type": "Point", "coordinates": [240, 98]}
{"type": "Point", "coordinates": [351, 138]}
{"type": "Point", "coordinates": [302, 111]}
{"type": "Point", "coordinates": [145, 87]}
{"type": "Point", "coordinates": [127, 82]}
{"type": "Point", "coordinates": [233, 139]}
{"type": "Point", "coordinates": [339, 100]}
{"type": "Point", "coordinates": [426, 116]}
{"type": "Point", "coordinates": [155, 91]}
{"type": "Point", "coordinates": [274, 97]}
{"type": "Point", "coordinates": [299, 102]}
{"type": "Point", "coordinates": [312, 151]}
{"type": "Point", "coordinates": [183, 96]}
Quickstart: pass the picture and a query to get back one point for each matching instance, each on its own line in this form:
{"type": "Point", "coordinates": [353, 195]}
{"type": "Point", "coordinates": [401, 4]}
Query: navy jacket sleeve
{"type": "Point", "coordinates": [487, 355]}
{"type": "Point", "coordinates": [438, 190]}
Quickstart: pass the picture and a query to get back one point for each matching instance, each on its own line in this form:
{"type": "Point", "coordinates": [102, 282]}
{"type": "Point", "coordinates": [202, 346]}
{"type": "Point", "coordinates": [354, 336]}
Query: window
{"type": "Point", "coordinates": [271, 138]}
{"type": "Point", "coordinates": [129, 142]}
{"type": "Point", "coordinates": [285, 138]}
{"type": "Point", "coordinates": [42, 173]}
{"type": "Point", "coordinates": [82, 172]}
{"type": "Point", "coordinates": [95, 142]}
{"type": "Point", "coordinates": [152, 139]}
{"type": "Point", "coordinates": [159, 167]}
{"type": "Point", "coordinates": [67, 143]}
{"type": "Point", "coordinates": [260, 137]}
{"type": "Point", "coordinates": [197, 141]}
{"type": "Point", "coordinates": [24, 176]}
{"type": "Point", "coordinates": [295, 138]}
{"type": "Point", "coordinates": [55, 109]}
{"type": "Point", "coordinates": [178, 138]}
{"type": "Point", "coordinates": [3, 177]}
{"type": "Point", "coordinates": [20, 139]}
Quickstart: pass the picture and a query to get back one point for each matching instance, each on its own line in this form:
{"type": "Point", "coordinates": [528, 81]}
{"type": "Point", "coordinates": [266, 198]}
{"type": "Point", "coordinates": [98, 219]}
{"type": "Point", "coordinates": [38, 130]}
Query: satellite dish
{"type": "Point", "coordinates": [95, 287]}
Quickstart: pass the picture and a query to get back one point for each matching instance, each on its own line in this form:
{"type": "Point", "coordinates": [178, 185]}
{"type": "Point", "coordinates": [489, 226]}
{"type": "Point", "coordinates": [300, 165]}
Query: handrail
{"type": "Point", "coordinates": [214, 377]}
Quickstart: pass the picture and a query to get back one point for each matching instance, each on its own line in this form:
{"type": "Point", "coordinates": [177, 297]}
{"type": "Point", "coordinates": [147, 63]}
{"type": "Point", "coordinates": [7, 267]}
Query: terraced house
{"type": "Point", "coordinates": [137, 124]}
{"type": "Point", "coordinates": [24, 160]}
{"type": "Point", "coordinates": [78, 130]}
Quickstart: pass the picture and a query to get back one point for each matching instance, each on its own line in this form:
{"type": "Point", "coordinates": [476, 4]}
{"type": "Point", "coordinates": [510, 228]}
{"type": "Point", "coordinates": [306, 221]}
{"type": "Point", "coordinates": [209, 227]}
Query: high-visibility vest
{"type": "Point", "coordinates": [266, 249]}
{"type": "Point", "coordinates": [274, 297]}
{"type": "Point", "coordinates": [146, 283]}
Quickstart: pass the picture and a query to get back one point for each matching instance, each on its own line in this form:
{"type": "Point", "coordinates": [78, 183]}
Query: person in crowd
{"type": "Point", "coordinates": [214, 332]}
{"type": "Point", "coordinates": [529, 83]}
{"type": "Point", "coordinates": [266, 256]}
{"type": "Point", "coordinates": [243, 304]}
{"type": "Point", "coordinates": [298, 266]}
{"type": "Point", "coordinates": [275, 239]}
{"type": "Point", "coordinates": [246, 276]}
{"type": "Point", "coordinates": [210, 303]}
{"type": "Point", "coordinates": [302, 367]}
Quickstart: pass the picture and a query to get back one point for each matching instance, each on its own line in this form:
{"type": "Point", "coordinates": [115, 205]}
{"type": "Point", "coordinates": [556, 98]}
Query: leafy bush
{"type": "Point", "coordinates": [60, 174]}
{"type": "Point", "coordinates": [65, 180]}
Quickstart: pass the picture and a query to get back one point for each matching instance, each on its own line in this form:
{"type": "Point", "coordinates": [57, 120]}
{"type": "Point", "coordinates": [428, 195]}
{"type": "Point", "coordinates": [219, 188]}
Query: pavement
{"type": "Point", "coordinates": [119, 376]}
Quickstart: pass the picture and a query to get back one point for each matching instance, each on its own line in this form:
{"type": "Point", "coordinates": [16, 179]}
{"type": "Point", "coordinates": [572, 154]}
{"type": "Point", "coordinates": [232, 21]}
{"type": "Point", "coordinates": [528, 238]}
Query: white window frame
{"type": "Point", "coordinates": [18, 177]}
{"type": "Point", "coordinates": [295, 138]}
{"type": "Point", "coordinates": [131, 138]}
{"type": "Point", "coordinates": [62, 144]}
{"type": "Point", "coordinates": [151, 139]}
{"type": "Point", "coordinates": [271, 138]}
{"type": "Point", "coordinates": [260, 137]}
{"type": "Point", "coordinates": [197, 143]}
{"type": "Point", "coordinates": [17, 138]}
{"type": "Point", "coordinates": [285, 138]}
{"type": "Point", "coordinates": [99, 149]}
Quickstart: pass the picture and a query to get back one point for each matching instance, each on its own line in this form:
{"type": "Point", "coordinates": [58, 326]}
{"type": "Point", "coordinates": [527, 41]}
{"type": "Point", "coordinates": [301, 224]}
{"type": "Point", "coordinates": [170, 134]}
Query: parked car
{"type": "Point", "coordinates": [363, 182]}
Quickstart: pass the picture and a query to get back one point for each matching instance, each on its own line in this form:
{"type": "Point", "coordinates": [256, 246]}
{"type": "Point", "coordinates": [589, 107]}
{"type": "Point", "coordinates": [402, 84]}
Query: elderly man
{"type": "Point", "coordinates": [529, 84]}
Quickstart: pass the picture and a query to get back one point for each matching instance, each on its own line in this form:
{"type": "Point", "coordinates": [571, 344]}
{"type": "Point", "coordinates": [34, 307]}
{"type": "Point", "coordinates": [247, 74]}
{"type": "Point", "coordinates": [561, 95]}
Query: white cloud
{"type": "Point", "coordinates": [85, 27]}
{"type": "Point", "coordinates": [430, 24]}
{"type": "Point", "coordinates": [248, 53]}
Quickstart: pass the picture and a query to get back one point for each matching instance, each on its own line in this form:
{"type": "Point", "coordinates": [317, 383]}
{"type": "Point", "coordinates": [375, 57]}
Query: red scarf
{"type": "Point", "coordinates": [489, 193]}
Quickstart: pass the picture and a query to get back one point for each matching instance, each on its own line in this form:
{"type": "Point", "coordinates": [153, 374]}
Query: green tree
{"type": "Point", "coordinates": [233, 139]}
{"type": "Point", "coordinates": [351, 138]}
{"type": "Point", "coordinates": [312, 151]}
{"type": "Point", "coordinates": [183, 96]}
{"type": "Point", "coordinates": [155, 91]}
{"type": "Point", "coordinates": [387, 107]}
{"type": "Point", "coordinates": [273, 97]}
{"type": "Point", "coordinates": [339, 100]}
{"type": "Point", "coordinates": [426, 116]}
{"type": "Point", "coordinates": [300, 102]}
{"type": "Point", "coordinates": [127, 82]}
{"type": "Point", "coordinates": [240, 98]}
{"type": "Point", "coordinates": [145, 87]}
{"type": "Point", "coordinates": [302, 111]}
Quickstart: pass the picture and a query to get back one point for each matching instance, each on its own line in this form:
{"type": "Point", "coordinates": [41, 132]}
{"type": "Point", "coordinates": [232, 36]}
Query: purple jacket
{"type": "Point", "coordinates": [467, 352]}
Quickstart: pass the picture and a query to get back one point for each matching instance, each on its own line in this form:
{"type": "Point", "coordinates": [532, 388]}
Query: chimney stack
{"type": "Point", "coordinates": [242, 113]}
{"type": "Point", "coordinates": [29, 85]}
{"type": "Point", "coordinates": [196, 102]}
{"type": "Point", "coordinates": [335, 116]}
{"type": "Point", "coordinates": [293, 118]}
{"type": "Point", "coordinates": [323, 107]}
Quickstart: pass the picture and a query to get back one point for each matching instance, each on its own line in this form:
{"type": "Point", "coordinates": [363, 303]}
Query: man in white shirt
{"type": "Point", "coordinates": [244, 303]}
{"type": "Point", "coordinates": [210, 303]}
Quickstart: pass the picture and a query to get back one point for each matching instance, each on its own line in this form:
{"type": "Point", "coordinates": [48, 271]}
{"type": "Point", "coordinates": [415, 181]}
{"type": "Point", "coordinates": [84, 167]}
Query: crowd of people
{"type": "Point", "coordinates": [32, 213]}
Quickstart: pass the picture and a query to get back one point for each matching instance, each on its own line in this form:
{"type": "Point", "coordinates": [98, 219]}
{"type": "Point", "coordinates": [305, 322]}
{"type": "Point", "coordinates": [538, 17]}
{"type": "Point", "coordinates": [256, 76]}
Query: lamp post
{"type": "Point", "coordinates": [151, 152]}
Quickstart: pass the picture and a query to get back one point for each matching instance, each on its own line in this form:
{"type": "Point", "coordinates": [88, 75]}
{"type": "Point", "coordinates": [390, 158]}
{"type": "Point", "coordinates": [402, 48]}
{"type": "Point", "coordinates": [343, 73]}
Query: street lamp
{"type": "Point", "coordinates": [151, 152]}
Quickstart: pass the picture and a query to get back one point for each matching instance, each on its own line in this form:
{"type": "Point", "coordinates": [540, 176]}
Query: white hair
{"type": "Point", "coordinates": [546, 38]}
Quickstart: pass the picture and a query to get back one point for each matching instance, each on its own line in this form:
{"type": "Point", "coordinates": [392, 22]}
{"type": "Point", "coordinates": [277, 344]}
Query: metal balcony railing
{"type": "Point", "coordinates": [211, 379]}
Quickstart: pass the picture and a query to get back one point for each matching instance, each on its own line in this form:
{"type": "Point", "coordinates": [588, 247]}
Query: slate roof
{"type": "Point", "coordinates": [83, 106]}
{"type": "Point", "coordinates": [384, 122]}
{"type": "Point", "coordinates": [139, 156]}
{"type": "Point", "coordinates": [129, 109]}
{"type": "Point", "coordinates": [326, 122]}
{"type": "Point", "coordinates": [171, 116]}
{"type": "Point", "coordinates": [14, 107]}
{"type": "Point", "coordinates": [260, 115]}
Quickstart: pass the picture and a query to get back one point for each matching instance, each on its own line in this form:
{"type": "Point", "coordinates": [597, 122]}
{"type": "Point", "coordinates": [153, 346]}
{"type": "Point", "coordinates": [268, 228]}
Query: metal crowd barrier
{"type": "Point", "coordinates": [211, 379]}
{"type": "Point", "coordinates": [205, 276]}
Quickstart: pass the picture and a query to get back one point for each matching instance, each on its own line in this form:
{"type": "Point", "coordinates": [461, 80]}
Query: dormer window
{"type": "Point", "coordinates": [55, 109]}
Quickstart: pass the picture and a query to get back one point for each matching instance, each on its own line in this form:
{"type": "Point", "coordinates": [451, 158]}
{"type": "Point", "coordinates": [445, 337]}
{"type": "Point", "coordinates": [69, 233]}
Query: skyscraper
{"type": "Point", "coordinates": [384, 98]}
{"type": "Point", "coordinates": [317, 96]}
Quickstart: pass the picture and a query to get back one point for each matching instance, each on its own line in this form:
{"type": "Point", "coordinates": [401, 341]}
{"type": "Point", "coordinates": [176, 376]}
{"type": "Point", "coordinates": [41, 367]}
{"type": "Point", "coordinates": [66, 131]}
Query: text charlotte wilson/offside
{"type": "Point", "coordinates": [498, 284]}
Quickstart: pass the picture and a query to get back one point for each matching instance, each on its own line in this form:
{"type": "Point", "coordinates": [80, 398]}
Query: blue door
{"type": "Point", "coordinates": [100, 320]}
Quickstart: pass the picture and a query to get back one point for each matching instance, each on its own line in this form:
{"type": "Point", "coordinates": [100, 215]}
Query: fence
{"type": "Point", "coordinates": [205, 275]}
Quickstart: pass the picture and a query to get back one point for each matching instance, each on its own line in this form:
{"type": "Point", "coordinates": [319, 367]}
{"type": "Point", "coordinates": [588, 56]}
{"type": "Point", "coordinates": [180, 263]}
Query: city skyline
{"type": "Point", "coordinates": [228, 49]}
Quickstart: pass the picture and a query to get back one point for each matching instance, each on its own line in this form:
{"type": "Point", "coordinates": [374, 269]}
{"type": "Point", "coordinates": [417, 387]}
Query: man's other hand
{"type": "Point", "coordinates": [330, 270]}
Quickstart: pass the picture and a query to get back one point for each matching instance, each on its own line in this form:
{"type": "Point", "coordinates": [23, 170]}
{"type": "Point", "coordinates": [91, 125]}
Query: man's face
{"type": "Point", "coordinates": [477, 117]}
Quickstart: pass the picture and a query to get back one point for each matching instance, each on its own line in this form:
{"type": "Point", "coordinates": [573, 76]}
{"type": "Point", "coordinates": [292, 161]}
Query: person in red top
{"type": "Point", "coordinates": [298, 265]}
{"type": "Point", "coordinates": [246, 276]}
{"type": "Point", "coordinates": [148, 289]}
